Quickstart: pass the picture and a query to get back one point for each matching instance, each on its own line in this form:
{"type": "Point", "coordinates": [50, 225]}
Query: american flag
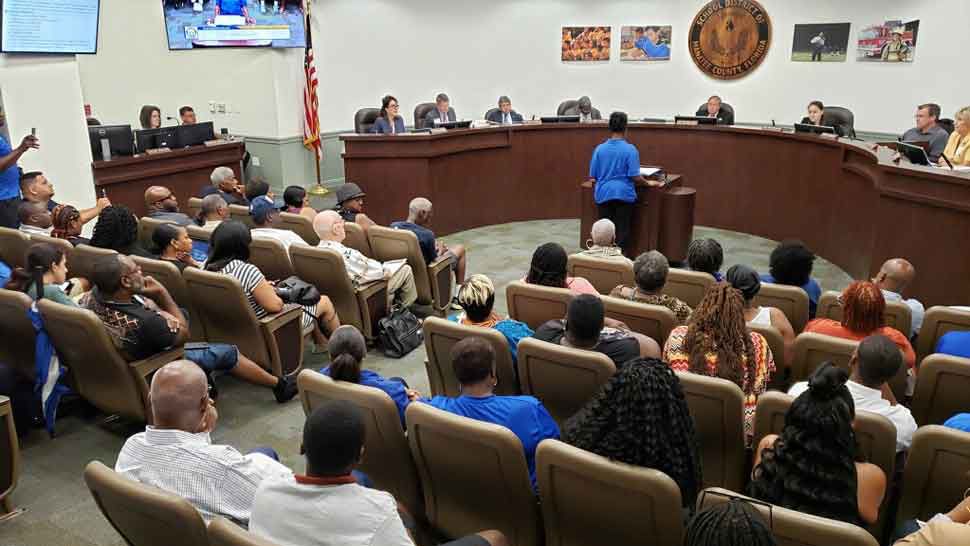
{"type": "Point", "coordinates": [311, 122]}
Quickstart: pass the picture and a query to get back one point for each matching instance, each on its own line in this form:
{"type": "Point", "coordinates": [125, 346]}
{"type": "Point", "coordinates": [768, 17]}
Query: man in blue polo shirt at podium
{"type": "Point", "coordinates": [232, 7]}
{"type": "Point", "coordinates": [615, 169]}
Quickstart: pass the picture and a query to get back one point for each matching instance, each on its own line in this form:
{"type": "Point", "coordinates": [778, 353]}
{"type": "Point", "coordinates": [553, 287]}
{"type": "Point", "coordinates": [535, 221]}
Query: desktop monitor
{"type": "Point", "coordinates": [817, 129]}
{"type": "Point", "coordinates": [118, 141]}
{"type": "Point", "coordinates": [150, 139]}
{"type": "Point", "coordinates": [694, 120]}
{"type": "Point", "coordinates": [914, 153]}
{"type": "Point", "coordinates": [195, 134]}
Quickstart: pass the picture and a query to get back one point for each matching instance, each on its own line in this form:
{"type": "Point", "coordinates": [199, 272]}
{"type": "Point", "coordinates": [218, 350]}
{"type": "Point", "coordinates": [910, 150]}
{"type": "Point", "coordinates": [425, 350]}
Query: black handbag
{"type": "Point", "coordinates": [399, 333]}
{"type": "Point", "coordinates": [296, 290]}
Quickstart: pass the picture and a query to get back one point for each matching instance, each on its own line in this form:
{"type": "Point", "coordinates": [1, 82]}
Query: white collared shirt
{"type": "Point", "coordinates": [34, 230]}
{"type": "Point", "coordinates": [917, 311]}
{"type": "Point", "coordinates": [360, 268]}
{"type": "Point", "coordinates": [867, 399]}
{"type": "Point", "coordinates": [284, 236]}
{"type": "Point", "coordinates": [216, 479]}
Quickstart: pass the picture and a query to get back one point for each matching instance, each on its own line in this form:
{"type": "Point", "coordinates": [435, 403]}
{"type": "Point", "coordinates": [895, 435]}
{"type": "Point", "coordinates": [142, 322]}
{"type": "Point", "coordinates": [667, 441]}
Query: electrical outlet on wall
{"type": "Point", "coordinates": [221, 107]}
{"type": "Point", "coordinates": [212, 107]}
{"type": "Point", "coordinates": [254, 160]}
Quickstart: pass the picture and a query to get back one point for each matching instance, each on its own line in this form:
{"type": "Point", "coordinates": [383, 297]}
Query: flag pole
{"type": "Point", "coordinates": [318, 190]}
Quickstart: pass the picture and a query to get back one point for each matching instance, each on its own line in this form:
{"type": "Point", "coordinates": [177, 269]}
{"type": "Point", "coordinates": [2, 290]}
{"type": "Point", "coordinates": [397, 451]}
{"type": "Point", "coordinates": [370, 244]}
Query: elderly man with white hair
{"type": "Point", "coordinates": [602, 242]}
{"type": "Point", "coordinates": [420, 212]}
{"type": "Point", "coordinates": [329, 226]}
{"type": "Point", "coordinates": [225, 184]}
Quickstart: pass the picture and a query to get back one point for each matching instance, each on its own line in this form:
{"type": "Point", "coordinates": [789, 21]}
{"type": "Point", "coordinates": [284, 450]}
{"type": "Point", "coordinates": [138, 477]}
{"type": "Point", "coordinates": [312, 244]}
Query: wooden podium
{"type": "Point", "coordinates": [185, 171]}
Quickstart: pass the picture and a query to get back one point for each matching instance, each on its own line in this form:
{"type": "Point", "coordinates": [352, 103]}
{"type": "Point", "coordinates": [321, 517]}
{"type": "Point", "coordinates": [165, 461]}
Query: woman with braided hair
{"type": "Point", "coordinates": [548, 268]}
{"type": "Point", "coordinates": [734, 523]}
{"type": "Point", "coordinates": [863, 308]}
{"type": "Point", "coordinates": [706, 256]}
{"type": "Point", "coordinates": [66, 222]}
{"type": "Point", "coordinates": [811, 467]}
{"type": "Point", "coordinates": [640, 417]}
{"type": "Point", "coordinates": [117, 229]}
{"type": "Point", "coordinates": [716, 342]}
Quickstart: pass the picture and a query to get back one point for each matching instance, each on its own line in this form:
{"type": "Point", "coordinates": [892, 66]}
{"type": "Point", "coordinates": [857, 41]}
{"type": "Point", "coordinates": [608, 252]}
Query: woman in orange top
{"type": "Point", "coordinates": [863, 307]}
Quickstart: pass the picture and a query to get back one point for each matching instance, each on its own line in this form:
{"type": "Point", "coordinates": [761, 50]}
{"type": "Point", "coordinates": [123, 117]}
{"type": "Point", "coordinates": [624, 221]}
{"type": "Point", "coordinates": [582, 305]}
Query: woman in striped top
{"type": "Point", "coordinates": [229, 254]}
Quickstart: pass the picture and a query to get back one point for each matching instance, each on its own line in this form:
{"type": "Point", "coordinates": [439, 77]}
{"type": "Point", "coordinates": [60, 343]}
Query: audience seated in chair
{"type": "Point", "coordinates": [66, 224]}
{"type": "Point", "coordinates": [548, 268]}
{"type": "Point", "coordinates": [420, 212]}
{"type": "Point", "coordinates": [36, 188]}
{"type": "Point", "coordinates": [265, 215]}
{"type": "Point", "coordinates": [791, 264]}
{"type": "Point", "coordinates": [474, 361]}
{"type": "Point", "coordinates": [225, 184]}
{"type": "Point", "coordinates": [954, 343]}
{"type": "Point", "coordinates": [863, 309]}
{"type": "Point", "coordinates": [296, 200]}
{"type": "Point", "coordinates": [117, 229]}
{"type": "Point", "coordinates": [142, 319]}
{"type": "Point", "coordinates": [329, 226]}
{"type": "Point", "coordinates": [640, 417]}
{"type": "Point", "coordinates": [602, 243]}
{"type": "Point", "coordinates": [163, 205]}
{"type": "Point", "coordinates": [745, 279]}
{"type": "Point", "coordinates": [893, 278]}
{"type": "Point", "coordinates": [258, 187]}
{"type": "Point", "coordinates": [45, 274]}
{"type": "Point", "coordinates": [350, 205]}
{"type": "Point", "coordinates": [818, 428]}
{"type": "Point", "coordinates": [732, 523]}
{"type": "Point", "coordinates": [706, 256]}
{"type": "Point", "coordinates": [173, 245]}
{"type": "Point", "coordinates": [477, 300]}
{"type": "Point", "coordinates": [650, 271]}
{"type": "Point", "coordinates": [326, 505]}
{"type": "Point", "coordinates": [586, 327]}
{"type": "Point", "coordinates": [176, 452]}
{"type": "Point", "coordinates": [943, 530]}
{"type": "Point", "coordinates": [716, 342]}
{"type": "Point", "coordinates": [347, 349]}
{"type": "Point", "coordinates": [229, 255]}
{"type": "Point", "coordinates": [875, 362]}
{"type": "Point", "coordinates": [34, 218]}
{"type": "Point", "coordinates": [214, 211]}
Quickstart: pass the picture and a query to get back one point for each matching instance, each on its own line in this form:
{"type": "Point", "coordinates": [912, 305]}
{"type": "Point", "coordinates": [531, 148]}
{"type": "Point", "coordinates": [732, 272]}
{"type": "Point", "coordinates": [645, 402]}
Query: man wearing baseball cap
{"type": "Point", "coordinates": [265, 215]}
{"type": "Point", "coordinates": [350, 205]}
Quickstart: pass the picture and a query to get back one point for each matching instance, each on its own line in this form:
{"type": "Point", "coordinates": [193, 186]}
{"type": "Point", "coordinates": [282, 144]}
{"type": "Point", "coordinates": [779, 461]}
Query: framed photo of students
{"type": "Point", "coordinates": [645, 43]}
{"type": "Point", "coordinates": [586, 44]}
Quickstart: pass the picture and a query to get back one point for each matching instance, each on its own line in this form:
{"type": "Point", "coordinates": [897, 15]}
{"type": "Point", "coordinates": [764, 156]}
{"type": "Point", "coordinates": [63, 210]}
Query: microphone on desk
{"type": "Point", "coordinates": [178, 121]}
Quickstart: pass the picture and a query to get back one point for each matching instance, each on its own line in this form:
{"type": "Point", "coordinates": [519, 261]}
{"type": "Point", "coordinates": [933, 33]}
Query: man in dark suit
{"type": "Point", "coordinates": [442, 112]}
{"type": "Point", "coordinates": [713, 110]}
{"type": "Point", "coordinates": [505, 115]}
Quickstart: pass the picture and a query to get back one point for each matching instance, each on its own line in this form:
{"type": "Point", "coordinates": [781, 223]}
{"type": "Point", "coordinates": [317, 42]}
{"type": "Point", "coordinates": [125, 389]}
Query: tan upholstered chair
{"type": "Point", "coordinates": [299, 224]}
{"type": "Point", "coordinates": [589, 499]}
{"type": "Point", "coordinates": [440, 335]}
{"type": "Point", "coordinates": [171, 278]}
{"type": "Point", "coordinates": [144, 515]}
{"type": "Point", "coordinates": [717, 406]}
{"type": "Point", "coordinates": [777, 345]}
{"type": "Point", "coordinates": [792, 528]}
{"type": "Point", "coordinates": [435, 282]}
{"type": "Point", "coordinates": [563, 378]}
{"type": "Point", "coordinates": [146, 227]}
{"type": "Point", "coordinates": [653, 321]}
{"type": "Point", "coordinates": [937, 473]}
{"type": "Point", "coordinates": [9, 459]}
{"type": "Point", "coordinates": [791, 300]}
{"type": "Point", "coordinates": [66, 247]}
{"type": "Point", "coordinates": [193, 207]}
{"type": "Point", "coordinates": [942, 388]}
{"type": "Point", "coordinates": [362, 306]}
{"type": "Point", "coordinates": [605, 275]}
{"type": "Point", "coordinates": [81, 262]}
{"type": "Point", "coordinates": [898, 315]}
{"type": "Point", "coordinates": [240, 213]}
{"type": "Point", "coordinates": [688, 286]}
{"type": "Point", "coordinates": [357, 239]}
{"type": "Point", "coordinates": [99, 372]}
{"type": "Point", "coordinates": [812, 349]}
{"type": "Point", "coordinates": [275, 341]}
{"type": "Point", "coordinates": [13, 247]}
{"type": "Point", "coordinates": [387, 459]}
{"type": "Point", "coordinates": [474, 476]}
{"type": "Point", "coordinates": [534, 304]}
{"type": "Point", "coordinates": [223, 532]}
{"type": "Point", "coordinates": [16, 325]}
{"type": "Point", "coordinates": [198, 233]}
{"type": "Point", "coordinates": [938, 321]}
{"type": "Point", "coordinates": [271, 257]}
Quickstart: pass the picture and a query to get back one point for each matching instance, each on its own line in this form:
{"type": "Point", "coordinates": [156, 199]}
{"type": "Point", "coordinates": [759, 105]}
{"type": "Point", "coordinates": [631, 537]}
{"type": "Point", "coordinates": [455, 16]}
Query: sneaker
{"type": "Point", "coordinates": [285, 389]}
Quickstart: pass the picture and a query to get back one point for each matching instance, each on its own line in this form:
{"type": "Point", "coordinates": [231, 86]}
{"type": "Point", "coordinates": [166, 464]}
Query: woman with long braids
{"type": "Point", "coordinates": [811, 467]}
{"type": "Point", "coordinates": [548, 268]}
{"type": "Point", "coordinates": [117, 229]}
{"type": "Point", "coordinates": [734, 523]}
{"type": "Point", "coordinates": [66, 223]}
{"type": "Point", "coordinates": [640, 417]}
{"type": "Point", "coordinates": [716, 342]}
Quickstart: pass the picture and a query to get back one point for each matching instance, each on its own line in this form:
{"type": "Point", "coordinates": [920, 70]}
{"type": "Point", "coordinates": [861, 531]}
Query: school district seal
{"type": "Point", "coordinates": [729, 38]}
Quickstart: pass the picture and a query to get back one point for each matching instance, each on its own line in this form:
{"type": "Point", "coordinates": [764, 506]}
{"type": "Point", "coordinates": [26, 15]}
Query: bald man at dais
{"type": "Point", "coordinates": [420, 212]}
{"type": "Point", "coordinates": [895, 275]}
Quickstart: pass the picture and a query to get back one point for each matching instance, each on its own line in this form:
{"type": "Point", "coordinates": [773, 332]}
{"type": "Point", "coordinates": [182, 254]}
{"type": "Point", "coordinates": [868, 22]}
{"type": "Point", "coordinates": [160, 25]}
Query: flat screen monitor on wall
{"type": "Point", "coordinates": [195, 24]}
{"type": "Point", "coordinates": [51, 26]}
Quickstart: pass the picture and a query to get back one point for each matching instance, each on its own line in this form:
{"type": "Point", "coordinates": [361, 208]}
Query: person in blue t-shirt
{"type": "Point", "coordinates": [615, 170]}
{"type": "Point", "coordinates": [791, 264]}
{"type": "Point", "coordinates": [10, 178]}
{"type": "Point", "coordinates": [233, 7]}
{"type": "Point", "coordinates": [476, 296]}
{"type": "Point", "coordinates": [955, 344]}
{"type": "Point", "coordinates": [347, 350]}
{"type": "Point", "coordinates": [420, 213]}
{"type": "Point", "coordinates": [648, 41]}
{"type": "Point", "coordinates": [474, 361]}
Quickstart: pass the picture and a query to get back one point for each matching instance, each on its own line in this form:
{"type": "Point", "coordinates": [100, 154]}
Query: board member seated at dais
{"type": "Point", "coordinates": [389, 122]}
{"type": "Point", "coordinates": [505, 115]}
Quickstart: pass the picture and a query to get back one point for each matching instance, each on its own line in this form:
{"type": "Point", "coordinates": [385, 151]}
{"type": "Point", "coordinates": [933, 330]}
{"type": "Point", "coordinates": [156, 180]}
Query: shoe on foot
{"type": "Point", "coordinates": [285, 389]}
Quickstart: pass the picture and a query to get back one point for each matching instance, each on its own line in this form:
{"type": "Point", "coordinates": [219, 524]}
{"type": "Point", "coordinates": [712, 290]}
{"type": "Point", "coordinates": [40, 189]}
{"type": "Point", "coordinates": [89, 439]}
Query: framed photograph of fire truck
{"type": "Point", "coordinates": [889, 42]}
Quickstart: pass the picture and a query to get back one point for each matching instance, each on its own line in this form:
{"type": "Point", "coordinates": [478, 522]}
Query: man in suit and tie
{"type": "Point", "coordinates": [442, 113]}
{"type": "Point", "coordinates": [505, 115]}
{"type": "Point", "coordinates": [713, 110]}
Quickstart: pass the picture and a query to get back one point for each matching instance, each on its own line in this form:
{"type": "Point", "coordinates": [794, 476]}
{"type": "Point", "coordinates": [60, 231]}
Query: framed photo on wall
{"type": "Point", "coordinates": [824, 42]}
{"type": "Point", "coordinates": [585, 44]}
{"type": "Point", "coordinates": [645, 43]}
{"type": "Point", "coordinates": [888, 42]}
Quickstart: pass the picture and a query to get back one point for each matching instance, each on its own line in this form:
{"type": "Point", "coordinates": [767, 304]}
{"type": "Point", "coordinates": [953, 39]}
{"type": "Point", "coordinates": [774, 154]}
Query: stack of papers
{"type": "Point", "coordinates": [649, 171]}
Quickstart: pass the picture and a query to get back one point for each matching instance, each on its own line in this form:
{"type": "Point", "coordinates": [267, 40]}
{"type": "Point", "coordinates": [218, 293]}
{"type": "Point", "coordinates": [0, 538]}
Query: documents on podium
{"type": "Point", "coordinates": [647, 172]}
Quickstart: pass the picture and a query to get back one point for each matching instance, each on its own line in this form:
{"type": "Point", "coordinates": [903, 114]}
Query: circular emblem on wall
{"type": "Point", "coordinates": [729, 38]}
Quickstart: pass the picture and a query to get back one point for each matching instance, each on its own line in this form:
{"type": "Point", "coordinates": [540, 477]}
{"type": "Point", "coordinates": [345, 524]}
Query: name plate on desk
{"type": "Point", "coordinates": [216, 142]}
{"type": "Point", "coordinates": [686, 122]}
{"type": "Point", "coordinates": [157, 151]}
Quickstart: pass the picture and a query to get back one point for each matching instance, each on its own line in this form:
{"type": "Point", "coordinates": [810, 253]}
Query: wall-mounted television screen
{"type": "Point", "coordinates": [51, 26]}
{"type": "Point", "coordinates": [193, 24]}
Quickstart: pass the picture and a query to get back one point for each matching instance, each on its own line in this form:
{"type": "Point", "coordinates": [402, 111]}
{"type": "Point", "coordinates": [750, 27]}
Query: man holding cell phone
{"type": "Point", "coordinates": [10, 178]}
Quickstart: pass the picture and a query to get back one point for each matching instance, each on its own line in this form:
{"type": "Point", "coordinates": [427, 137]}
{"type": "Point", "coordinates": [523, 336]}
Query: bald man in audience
{"type": "Point", "coordinates": [176, 453]}
{"type": "Point", "coordinates": [329, 226]}
{"type": "Point", "coordinates": [163, 205]}
{"type": "Point", "coordinates": [895, 275]}
{"type": "Point", "coordinates": [34, 218]}
{"type": "Point", "coordinates": [213, 212]}
{"type": "Point", "coordinates": [602, 242]}
{"type": "Point", "coordinates": [420, 212]}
